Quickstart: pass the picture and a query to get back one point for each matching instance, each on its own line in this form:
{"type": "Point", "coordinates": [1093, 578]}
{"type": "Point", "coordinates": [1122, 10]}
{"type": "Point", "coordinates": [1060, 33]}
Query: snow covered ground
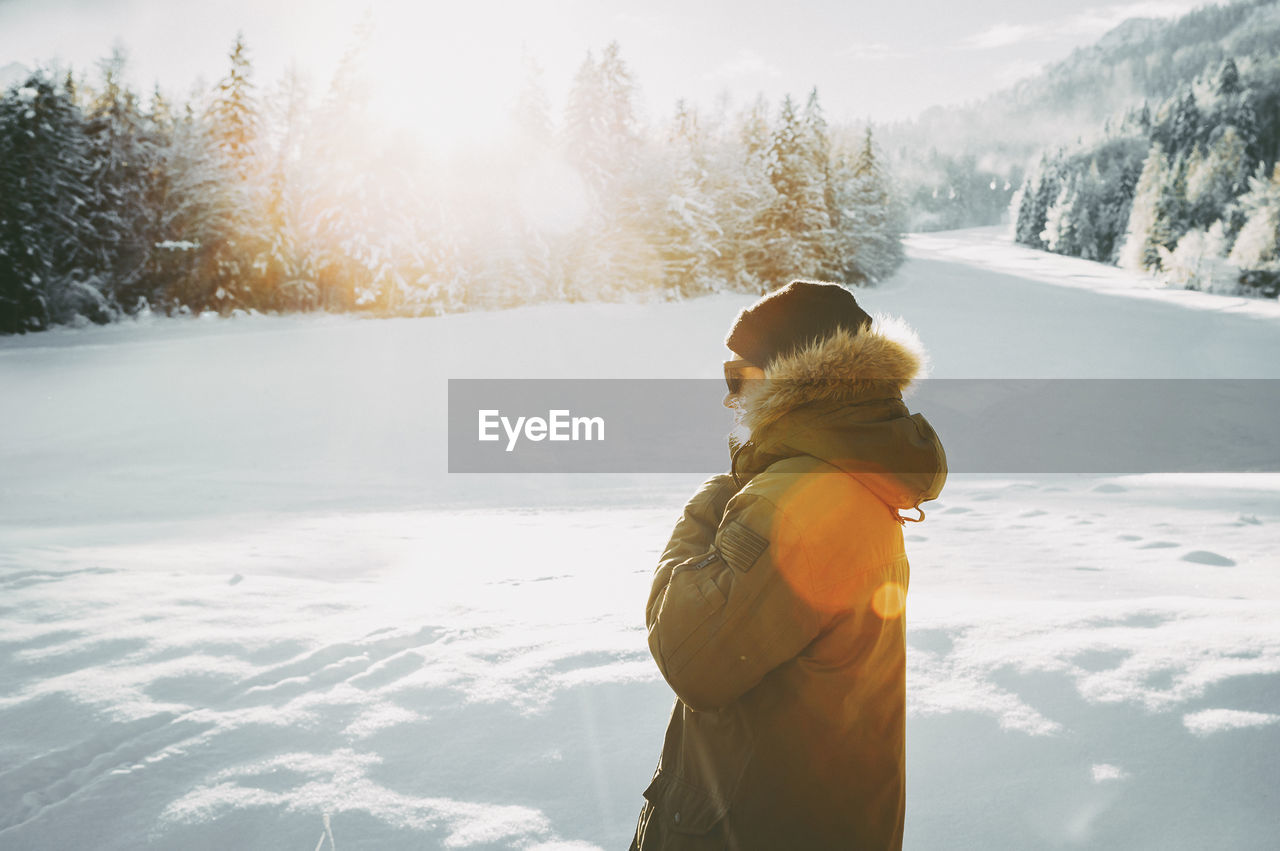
{"type": "Point", "coordinates": [245, 606]}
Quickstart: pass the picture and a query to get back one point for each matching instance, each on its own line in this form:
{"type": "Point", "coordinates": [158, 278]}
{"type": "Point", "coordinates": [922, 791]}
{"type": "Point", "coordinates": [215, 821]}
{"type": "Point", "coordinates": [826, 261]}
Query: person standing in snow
{"type": "Point", "coordinates": [777, 609]}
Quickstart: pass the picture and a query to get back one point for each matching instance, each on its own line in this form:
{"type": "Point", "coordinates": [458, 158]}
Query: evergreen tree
{"type": "Point", "coordinates": [122, 157]}
{"type": "Point", "coordinates": [1215, 180]}
{"type": "Point", "coordinates": [1258, 245]}
{"type": "Point", "coordinates": [1023, 228]}
{"type": "Point", "coordinates": [234, 111]}
{"type": "Point", "coordinates": [1137, 253]}
{"type": "Point", "coordinates": [443, 283]}
{"type": "Point", "coordinates": [232, 121]}
{"type": "Point", "coordinates": [44, 191]}
{"type": "Point", "coordinates": [1046, 184]}
{"type": "Point", "coordinates": [1229, 79]}
{"type": "Point", "coordinates": [611, 255]}
{"type": "Point", "coordinates": [754, 130]}
{"type": "Point", "coordinates": [1197, 263]}
{"type": "Point", "coordinates": [621, 128]}
{"type": "Point", "coordinates": [741, 192]}
{"type": "Point", "coordinates": [1182, 127]}
{"type": "Point", "coordinates": [824, 247]}
{"type": "Point", "coordinates": [1152, 217]}
{"type": "Point", "coordinates": [586, 136]}
{"type": "Point", "coordinates": [159, 123]}
{"type": "Point", "coordinates": [1084, 211]}
{"type": "Point", "coordinates": [586, 147]}
{"type": "Point", "coordinates": [71, 88]}
{"type": "Point", "coordinates": [688, 232]}
{"type": "Point", "coordinates": [533, 109]}
{"type": "Point", "coordinates": [533, 257]}
{"type": "Point", "coordinates": [797, 222]}
{"type": "Point", "coordinates": [343, 205]}
{"type": "Point", "coordinates": [1175, 211]}
{"type": "Point", "coordinates": [1059, 234]}
{"type": "Point", "coordinates": [285, 266]}
{"type": "Point", "coordinates": [1119, 165]}
{"type": "Point", "coordinates": [869, 228]}
{"type": "Point", "coordinates": [199, 201]}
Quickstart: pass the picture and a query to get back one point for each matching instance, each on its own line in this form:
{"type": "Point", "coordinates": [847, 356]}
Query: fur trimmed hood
{"type": "Point", "coordinates": [880, 361]}
{"type": "Point", "coordinates": [840, 400]}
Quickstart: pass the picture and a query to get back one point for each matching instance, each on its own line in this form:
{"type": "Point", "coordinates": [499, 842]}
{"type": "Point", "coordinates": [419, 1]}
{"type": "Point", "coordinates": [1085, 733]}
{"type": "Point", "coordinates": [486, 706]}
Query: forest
{"type": "Point", "coordinates": [244, 197]}
{"type": "Point", "coordinates": [960, 165]}
{"type": "Point", "coordinates": [1189, 190]}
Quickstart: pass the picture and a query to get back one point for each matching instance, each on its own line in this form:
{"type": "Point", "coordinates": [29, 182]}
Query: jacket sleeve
{"type": "Point", "coordinates": [694, 531]}
{"type": "Point", "coordinates": [723, 619]}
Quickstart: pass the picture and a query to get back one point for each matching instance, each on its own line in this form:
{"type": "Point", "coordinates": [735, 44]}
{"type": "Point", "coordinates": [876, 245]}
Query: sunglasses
{"type": "Point", "coordinates": [732, 376]}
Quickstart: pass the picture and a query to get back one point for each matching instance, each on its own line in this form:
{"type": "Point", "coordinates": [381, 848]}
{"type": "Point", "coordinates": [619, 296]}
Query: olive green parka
{"type": "Point", "coordinates": [777, 611]}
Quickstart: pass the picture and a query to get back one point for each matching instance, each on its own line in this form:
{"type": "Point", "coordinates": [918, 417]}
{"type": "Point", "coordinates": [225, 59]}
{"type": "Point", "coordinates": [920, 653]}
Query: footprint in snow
{"type": "Point", "coordinates": [959, 509]}
{"type": "Point", "coordinates": [1159, 545]}
{"type": "Point", "coordinates": [1128, 537]}
{"type": "Point", "coordinates": [1206, 557]}
{"type": "Point", "coordinates": [1035, 512]}
{"type": "Point", "coordinates": [235, 580]}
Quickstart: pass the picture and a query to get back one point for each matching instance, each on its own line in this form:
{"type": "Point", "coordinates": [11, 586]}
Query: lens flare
{"type": "Point", "coordinates": [889, 600]}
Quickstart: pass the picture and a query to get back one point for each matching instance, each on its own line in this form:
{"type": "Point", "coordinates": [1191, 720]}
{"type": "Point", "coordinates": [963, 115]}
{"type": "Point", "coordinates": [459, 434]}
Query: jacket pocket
{"type": "Point", "coordinates": [685, 809]}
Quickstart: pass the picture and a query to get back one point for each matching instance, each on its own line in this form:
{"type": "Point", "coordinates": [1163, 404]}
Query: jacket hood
{"type": "Point", "coordinates": [840, 400]}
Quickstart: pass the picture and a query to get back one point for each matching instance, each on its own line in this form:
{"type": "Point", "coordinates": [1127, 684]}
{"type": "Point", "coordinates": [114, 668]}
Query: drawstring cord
{"type": "Point", "coordinates": [903, 519]}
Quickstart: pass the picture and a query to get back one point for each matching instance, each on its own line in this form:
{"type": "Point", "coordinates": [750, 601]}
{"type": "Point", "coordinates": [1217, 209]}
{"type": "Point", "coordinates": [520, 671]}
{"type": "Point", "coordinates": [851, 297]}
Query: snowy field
{"type": "Point", "coordinates": [245, 607]}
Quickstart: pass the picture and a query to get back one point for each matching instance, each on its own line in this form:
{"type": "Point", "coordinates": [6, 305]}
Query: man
{"type": "Point", "coordinates": [776, 612]}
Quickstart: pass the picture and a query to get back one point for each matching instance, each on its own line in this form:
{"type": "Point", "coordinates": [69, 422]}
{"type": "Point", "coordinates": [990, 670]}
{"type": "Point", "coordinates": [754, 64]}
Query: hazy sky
{"type": "Point", "coordinates": [450, 70]}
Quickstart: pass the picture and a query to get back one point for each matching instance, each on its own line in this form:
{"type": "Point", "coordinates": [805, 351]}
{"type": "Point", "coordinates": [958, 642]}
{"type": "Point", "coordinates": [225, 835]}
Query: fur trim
{"type": "Point", "coordinates": [880, 361]}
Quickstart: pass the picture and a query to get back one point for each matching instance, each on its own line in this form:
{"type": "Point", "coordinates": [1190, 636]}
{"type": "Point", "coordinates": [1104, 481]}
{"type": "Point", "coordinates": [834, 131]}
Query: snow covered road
{"type": "Point", "coordinates": [244, 605]}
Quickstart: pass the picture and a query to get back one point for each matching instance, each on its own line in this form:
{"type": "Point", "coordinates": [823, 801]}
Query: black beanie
{"type": "Point", "coordinates": [788, 318]}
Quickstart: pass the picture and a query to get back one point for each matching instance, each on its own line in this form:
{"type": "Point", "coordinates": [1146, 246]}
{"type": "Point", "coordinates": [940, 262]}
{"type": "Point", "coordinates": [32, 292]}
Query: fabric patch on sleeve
{"type": "Point", "coordinates": [741, 545]}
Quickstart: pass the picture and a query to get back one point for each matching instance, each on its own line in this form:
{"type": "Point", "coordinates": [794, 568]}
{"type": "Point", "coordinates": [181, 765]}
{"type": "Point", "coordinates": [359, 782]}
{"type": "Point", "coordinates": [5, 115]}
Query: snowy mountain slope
{"type": "Point", "coordinates": [1141, 59]}
{"type": "Point", "coordinates": [244, 606]}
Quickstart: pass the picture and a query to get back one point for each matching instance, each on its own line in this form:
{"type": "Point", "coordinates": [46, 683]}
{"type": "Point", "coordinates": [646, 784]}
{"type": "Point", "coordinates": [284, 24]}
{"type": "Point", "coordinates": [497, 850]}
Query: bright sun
{"type": "Point", "coordinates": [435, 74]}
